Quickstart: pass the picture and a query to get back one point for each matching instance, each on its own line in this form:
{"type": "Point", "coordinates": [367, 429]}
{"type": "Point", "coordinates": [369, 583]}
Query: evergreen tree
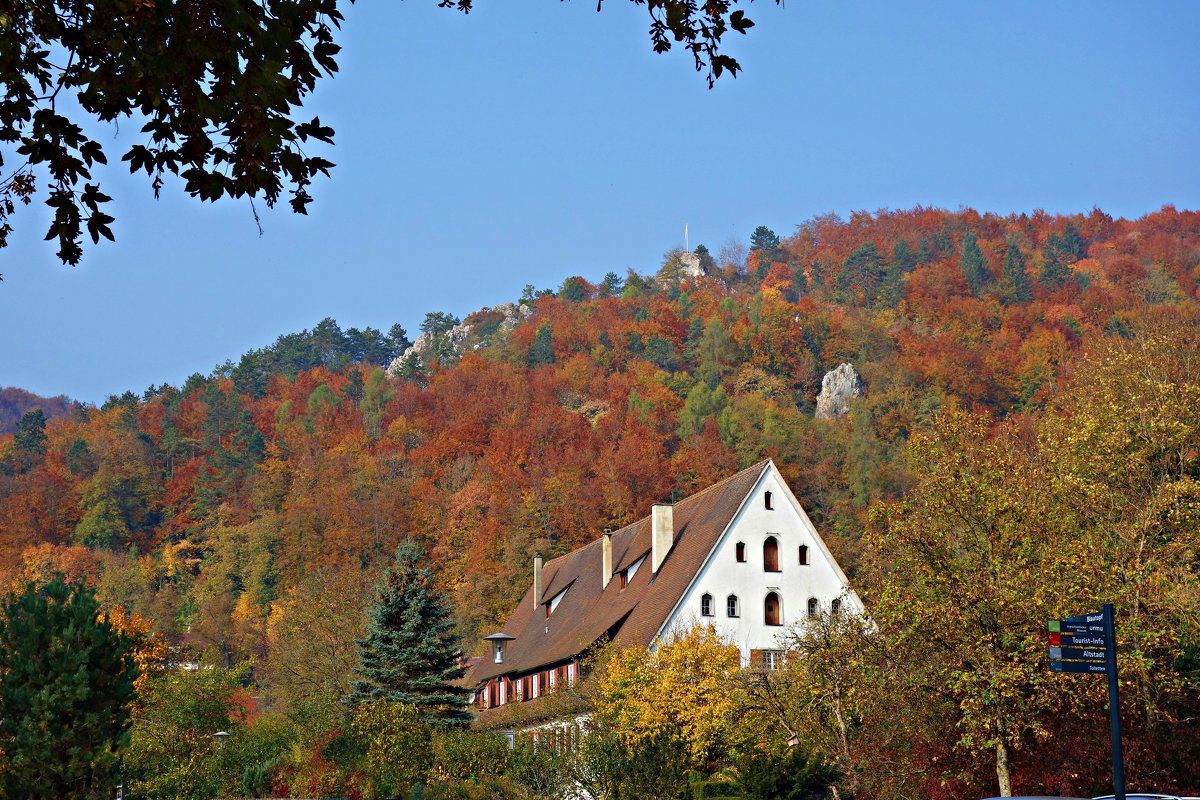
{"type": "Point", "coordinates": [66, 681]}
{"type": "Point", "coordinates": [900, 264]}
{"type": "Point", "coordinates": [973, 267]}
{"type": "Point", "coordinates": [612, 285]}
{"type": "Point", "coordinates": [1061, 251]}
{"type": "Point", "coordinates": [764, 242]}
{"type": "Point", "coordinates": [861, 275]}
{"type": "Point", "coordinates": [1016, 285]}
{"type": "Point", "coordinates": [541, 351]}
{"type": "Point", "coordinates": [411, 654]}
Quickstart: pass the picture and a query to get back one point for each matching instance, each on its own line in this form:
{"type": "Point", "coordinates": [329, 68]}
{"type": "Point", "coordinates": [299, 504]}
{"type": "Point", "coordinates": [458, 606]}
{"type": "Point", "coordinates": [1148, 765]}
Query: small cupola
{"type": "Point", "coordinates": [499, 641]}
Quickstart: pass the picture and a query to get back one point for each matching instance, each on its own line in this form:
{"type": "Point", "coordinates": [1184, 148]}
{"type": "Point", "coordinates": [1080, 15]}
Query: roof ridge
{"type": "Point", "coordinates": [696, 495]}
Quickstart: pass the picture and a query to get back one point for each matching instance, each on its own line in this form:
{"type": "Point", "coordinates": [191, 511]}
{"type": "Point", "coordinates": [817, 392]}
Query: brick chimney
{"type": "Point", "coordinates": [662, 533]}
{"type": "Point", "coordinates": [606, 558]}
{"type": "Point", "coordinates": [537, 580]}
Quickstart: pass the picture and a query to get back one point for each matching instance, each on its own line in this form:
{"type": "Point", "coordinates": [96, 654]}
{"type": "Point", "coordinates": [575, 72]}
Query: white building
{"type": "Point", "coordinates": [741, 555]}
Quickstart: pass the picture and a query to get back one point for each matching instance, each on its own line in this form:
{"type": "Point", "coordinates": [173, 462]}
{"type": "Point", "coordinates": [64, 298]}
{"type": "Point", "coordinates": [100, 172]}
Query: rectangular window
{"type": "Point", "coordinates": [772, 659]}
{"type": "Point", "coordinates": [731, 605]}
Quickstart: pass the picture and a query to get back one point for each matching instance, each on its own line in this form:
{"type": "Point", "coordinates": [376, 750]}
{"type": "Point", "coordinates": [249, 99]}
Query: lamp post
{"type": "Point", "coordinates": [221, 736]}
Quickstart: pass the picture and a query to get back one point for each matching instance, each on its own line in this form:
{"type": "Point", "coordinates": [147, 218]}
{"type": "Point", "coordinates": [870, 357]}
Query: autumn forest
{"type": "Point", "coordinates": [1028, 444]}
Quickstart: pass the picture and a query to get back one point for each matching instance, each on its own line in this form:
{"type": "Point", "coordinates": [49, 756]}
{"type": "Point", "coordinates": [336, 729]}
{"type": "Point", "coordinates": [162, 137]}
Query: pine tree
{"type": "Point", "coordinates": [411, 654]}
{"type": "Point", "coordinates": [973, 267]}
{"type": "Point", "coordinates": [66, 681]}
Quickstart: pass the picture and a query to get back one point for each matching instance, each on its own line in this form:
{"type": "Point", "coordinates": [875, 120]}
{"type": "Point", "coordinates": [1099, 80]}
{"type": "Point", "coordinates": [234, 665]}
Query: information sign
{"type": "Point", "coordinates": [1077, 653]}
{"type": "Point", "coordinates": [1087, 644]}
{"type": "Point", "coordinates": [1094, 667]}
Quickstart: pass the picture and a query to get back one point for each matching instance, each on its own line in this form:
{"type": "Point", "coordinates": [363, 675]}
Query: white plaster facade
{"type": "Point", "coordinates": [795, 584]}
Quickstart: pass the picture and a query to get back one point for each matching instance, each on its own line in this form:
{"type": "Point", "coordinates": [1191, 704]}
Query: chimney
{"type": "Point", "coordinates": [606, 558]}
{"type": "Point", "coordinates": [537, 580]}
{"type": "Point", "coordinates": [662, 534]}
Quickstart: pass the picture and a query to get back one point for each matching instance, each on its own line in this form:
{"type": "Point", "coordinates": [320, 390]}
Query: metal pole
{"type": "Point", "coordinates": [1114, 704]}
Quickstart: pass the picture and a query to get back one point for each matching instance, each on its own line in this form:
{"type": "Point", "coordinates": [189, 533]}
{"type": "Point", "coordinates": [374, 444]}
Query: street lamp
{"type": "Point", "coordinates": [221, 736]}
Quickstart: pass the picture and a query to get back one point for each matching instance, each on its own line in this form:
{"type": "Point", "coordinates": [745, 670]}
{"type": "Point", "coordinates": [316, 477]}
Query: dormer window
{"type": "Point", "coordinates": [554, 601]}
{"type": "Point", "coordinates": [767, 501]}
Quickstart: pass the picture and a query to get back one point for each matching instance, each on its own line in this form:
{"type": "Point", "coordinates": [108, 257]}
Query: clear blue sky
{"type": "Point", "coordinates": [535, 140]}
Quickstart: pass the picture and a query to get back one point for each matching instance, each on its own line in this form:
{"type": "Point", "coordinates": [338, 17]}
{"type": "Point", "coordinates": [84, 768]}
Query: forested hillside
{"type": "Point", "coordinates": [229, 509]}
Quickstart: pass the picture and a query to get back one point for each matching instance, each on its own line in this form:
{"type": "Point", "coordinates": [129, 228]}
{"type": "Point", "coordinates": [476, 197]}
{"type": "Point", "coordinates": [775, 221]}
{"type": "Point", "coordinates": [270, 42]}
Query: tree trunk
{"type": "Point", "coordinates": [1002, 769]}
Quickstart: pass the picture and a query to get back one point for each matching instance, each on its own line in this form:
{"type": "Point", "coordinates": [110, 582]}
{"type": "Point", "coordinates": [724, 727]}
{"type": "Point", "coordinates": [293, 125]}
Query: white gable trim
{"type": "Point", "coordinates": [852, 602]}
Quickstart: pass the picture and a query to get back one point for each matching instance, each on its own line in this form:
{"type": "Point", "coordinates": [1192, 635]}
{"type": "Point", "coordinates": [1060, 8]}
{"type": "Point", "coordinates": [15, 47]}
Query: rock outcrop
{"type": "Point", "coordinates": [475, 332]}
{"type": "Point", "coordinates": [839, 386]}
{"type": "Point", "coordinates": [690, 266]}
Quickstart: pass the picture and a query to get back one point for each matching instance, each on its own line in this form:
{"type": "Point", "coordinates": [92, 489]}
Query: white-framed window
{"type": "Point", "coordinates": [772, 659]}
{"type": "Point", "coordinates": [731, 606]}
{"type": "Point", "coordinates": [813, 606]}
{"type": "Point", "coordinates": [706, 605]}
{"type": "Point", "coordinates": [835, 607]}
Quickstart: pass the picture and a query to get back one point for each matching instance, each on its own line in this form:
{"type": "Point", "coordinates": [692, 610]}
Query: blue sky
{"type": "Point", "coordinates": [534, 140]}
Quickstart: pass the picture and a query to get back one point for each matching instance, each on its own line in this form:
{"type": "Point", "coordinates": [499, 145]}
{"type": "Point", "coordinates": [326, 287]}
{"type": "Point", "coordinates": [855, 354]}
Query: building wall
{"type": "Point", "coordinates": [722, 575]}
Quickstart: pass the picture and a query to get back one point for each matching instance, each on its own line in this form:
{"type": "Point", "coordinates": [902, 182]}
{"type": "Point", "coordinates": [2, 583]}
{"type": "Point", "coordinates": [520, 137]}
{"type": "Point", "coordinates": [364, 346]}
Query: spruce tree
{"type": "Point", "coordinates": [1016, 284]}
{"type": "Point", "coordinates": [66, 681]}
{"type": "Point", "coordinates": [973, 267]}
{"type": "Point", "coordinates": [411, 654]}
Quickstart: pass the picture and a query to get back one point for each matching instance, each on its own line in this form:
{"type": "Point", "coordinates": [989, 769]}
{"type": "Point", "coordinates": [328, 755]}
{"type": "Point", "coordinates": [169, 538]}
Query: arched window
{"type": "Point", "coordinates": [731, 606]}
{"type": "Point", "coordinates": [803, 554]}
{"type": "Point", "coordinates": [741, 552]}
{"type": "Point", "coordinates": [771, 554]}
{"type": "Point", "coordinates": [836, 605]}
{"type": "Point", "coordinates": [812, 606]}
{"type": "Point", "coordinates": [767, 500]}
{"type": "Point", "coordinates": [771, 613]}
{"type": "Point", "coordinates": [706, 609]}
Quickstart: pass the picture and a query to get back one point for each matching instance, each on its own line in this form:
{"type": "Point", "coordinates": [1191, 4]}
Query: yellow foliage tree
{"type": "Point", "coordinates": [684, 686]}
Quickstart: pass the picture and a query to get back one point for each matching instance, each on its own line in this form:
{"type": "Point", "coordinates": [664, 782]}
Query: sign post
{"type": "Point", "coordinates": [1088, 644]}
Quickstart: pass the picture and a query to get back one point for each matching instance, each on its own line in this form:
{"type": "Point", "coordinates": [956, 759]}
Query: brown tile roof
{"type": "Point", "coordinates": [633, 615]}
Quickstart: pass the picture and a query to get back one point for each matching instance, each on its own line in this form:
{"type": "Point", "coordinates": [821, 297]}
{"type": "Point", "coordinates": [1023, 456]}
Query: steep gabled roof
{"type": "Point", "coordinates": [630, 615]}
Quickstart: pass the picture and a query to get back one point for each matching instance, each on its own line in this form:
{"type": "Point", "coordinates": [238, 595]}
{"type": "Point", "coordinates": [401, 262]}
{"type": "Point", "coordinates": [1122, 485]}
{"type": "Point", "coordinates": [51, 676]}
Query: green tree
{"type": "Point", "coordinates": [173, 753]}
{"type": "Point", "coordinates": [1015, 285]}
{"type": "Point", "coordinates": [574, 290]}
{"type": "Point", "coordinates": [1060, 252]}
{"type": "Point", "coordinates": [66, 681]}
{"type": "Point", "coordinates": [541, 351]}
{"type": "Point", "coordinates": [902, 262]}
{"type": "Point", "coordinates": [973, 267]}
{"type": "Point", "coordinates": [861, 275]}
{"type": "Point", "coordinates": [764, 246]}
{"type": "Point", "coordinates": [411, 654]}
